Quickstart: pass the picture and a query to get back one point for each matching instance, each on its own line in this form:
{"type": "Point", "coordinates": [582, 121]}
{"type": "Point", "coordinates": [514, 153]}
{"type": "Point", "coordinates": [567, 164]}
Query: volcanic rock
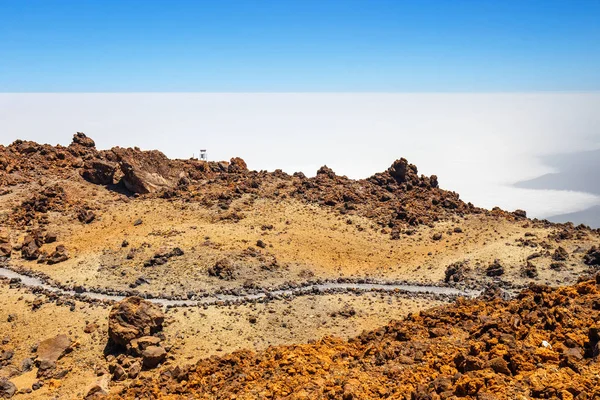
{"type": "Point", "coordinates": [495, 269]}
{"type": "Point", "coordinates": [153, 355]}
{"type": "Point", "coordinates": [592, 257]}
{"type": "Point", "coordinates": [560, 254]}
{"type": "Point", "coordinates": [5, 250]}
{"type": "Point", "coordinates": [51, 350]}
{"type": "Point", "coordinates": [147, 171]}
{"type": "Point", "coordinates": [50, 237]}
{"type": "Point", "coordinates": [400, 169]}
{"type": "Point", "coordinates": [119, 373]}
{"type": "Point", "coordinates": [85, 216]}
{"type": "Point", "coordinates": [7, 388]}
{"type": "Point", "coordinates": [134, 370]}
{"type": "Point", "coordinates": [137, 346]}
{"type": "Point", "coordinates": [30, 249]}
{"type": "Point", "coordinates": [133, 318]}
{"type": "Point", "coordinates": [237, 165]}
{"type": "Point", "coordinates": [456, 272]}
{"type": "Point", "coordinates": [99, 172]}
{"type": "Point", "coordinates": [58, 255]}
{"type": "Point", "coordinates": [222, 269]}
{"type": "Point", "coordinates": [529, 271]}
{"type": "Point", "coordinates": [81, 139]}
{"type": "Point", "coordinates": [98, 390]}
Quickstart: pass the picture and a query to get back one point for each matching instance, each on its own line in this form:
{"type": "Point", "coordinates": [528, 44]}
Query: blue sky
{"type": "Point", "coordinates": [299, 46]}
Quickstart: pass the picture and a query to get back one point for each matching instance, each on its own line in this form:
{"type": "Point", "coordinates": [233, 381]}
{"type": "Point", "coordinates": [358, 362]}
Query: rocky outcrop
{"type": "Point", "coordinates": [133, 318]}
{"type": "Point", "coordinates": [147, 171]}
{"type": "Point", "coordinates": [153, 355]}
{"type": "Point", "coordinates": [393, 199]}
{"type": "Point", "coordinates": [456, 272]}
{"type": "Point", "coordinates": [81, 139]}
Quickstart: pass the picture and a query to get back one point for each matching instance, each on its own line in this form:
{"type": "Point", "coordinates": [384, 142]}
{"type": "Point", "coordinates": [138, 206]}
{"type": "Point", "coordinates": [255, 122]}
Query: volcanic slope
{"type": "Point", "coordinates": [544, 344]}
{"type": "Point", "coordinates": [131, 222]}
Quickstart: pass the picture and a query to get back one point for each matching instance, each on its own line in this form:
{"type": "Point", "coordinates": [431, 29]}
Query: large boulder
{"type": "Point", "coordinates": [147, 171]}
{"type": "Point", "coordinates": [133, 318]}
{"type": "Point", "coordinates": [51, 350]}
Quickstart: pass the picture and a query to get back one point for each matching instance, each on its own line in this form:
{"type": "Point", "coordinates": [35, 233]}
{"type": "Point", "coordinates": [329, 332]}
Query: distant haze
{"type": "Point", "coordinates": [479, 145]}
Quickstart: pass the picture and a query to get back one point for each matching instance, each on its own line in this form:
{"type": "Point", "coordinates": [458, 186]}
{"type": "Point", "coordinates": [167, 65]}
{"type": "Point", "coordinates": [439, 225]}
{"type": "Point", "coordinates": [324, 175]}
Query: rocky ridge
{"type": "Point", "coordinates": [394, 199]}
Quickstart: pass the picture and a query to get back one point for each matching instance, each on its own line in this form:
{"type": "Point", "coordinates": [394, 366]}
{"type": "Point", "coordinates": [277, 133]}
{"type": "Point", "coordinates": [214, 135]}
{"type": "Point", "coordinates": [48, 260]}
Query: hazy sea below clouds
{"type": "Point", "coordinates": [531, 151]}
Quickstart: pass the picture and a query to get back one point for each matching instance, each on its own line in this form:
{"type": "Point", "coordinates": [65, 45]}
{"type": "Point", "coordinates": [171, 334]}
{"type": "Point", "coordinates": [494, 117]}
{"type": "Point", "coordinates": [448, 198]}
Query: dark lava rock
{"type": "Point", "coordinates": [147, 171]}
{"type": "Point", "coordinates": [162, 257]}
{"type": "Point", "coordinates": [30, 250]}
{"type": "Point", "coordinates": [520, 213]}
{"type": "Point", "coordinates": [85, 216]}
{"type": "Point", "coordinates": [50, 237]}
{"type": "Point", "coordinates": [495, 269]}
{"type": "Point", "coordinates": [237, 165]}
{"type": "Point", "coordinates": [529, 270]}
{"type": "Point", "coordinates": [456, 272]}
{"type": "Point", "coordinates": [592, 257]}
{"type": "Point", "coordinates": [560, 254]}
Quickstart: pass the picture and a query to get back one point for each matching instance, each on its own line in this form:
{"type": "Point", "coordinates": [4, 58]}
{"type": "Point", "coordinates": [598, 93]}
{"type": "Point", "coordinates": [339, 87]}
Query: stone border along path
{"type": "Point", "coordinates": [37, 284]}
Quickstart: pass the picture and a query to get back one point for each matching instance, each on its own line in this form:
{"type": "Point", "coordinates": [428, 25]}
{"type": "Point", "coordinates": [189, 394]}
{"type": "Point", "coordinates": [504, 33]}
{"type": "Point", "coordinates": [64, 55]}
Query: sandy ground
{"type": "Point", "coordinates": [192, 333]}
{"type": "Point", "coordinates": [301, 241]}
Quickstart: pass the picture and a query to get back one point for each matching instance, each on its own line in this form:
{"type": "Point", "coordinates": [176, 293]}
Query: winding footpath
{"type": "Point", "coordinates": [212, 299]}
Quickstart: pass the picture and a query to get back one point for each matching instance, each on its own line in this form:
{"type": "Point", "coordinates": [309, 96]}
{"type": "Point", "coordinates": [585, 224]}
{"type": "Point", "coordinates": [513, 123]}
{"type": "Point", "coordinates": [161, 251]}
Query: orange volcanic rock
{"type": "Point", "coordinates": [543, 344]}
